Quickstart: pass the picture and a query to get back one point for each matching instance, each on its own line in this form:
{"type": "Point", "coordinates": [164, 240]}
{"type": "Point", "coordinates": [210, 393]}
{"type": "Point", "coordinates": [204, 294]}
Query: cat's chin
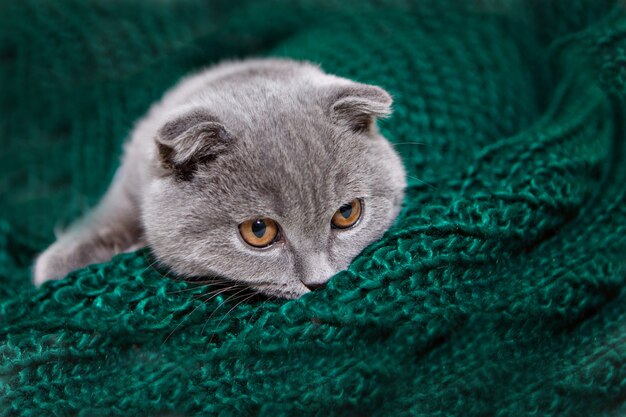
{"type": "Point", "coordinates": [287, 293]}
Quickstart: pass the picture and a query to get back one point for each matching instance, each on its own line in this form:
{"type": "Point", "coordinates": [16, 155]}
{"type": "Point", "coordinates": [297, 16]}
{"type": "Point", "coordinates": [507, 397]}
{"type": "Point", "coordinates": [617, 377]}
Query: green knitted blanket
{"type": "Point", "coordinates": [498, 292]}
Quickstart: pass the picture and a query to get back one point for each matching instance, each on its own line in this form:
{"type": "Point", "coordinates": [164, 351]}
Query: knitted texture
{"type": "Point", "coordinates": [498, 292]}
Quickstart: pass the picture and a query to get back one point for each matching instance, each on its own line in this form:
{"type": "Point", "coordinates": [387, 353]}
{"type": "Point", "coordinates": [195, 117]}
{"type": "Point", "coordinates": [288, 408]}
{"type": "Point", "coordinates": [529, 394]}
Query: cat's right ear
{"type": "Point", "coordinates": [190, 139]}
{"type": "Point", "coordinates": [357, 106]}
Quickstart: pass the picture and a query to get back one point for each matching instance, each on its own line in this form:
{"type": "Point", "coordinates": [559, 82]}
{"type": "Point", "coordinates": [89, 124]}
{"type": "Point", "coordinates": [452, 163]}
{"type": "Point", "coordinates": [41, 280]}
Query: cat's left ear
{"type": "Point", "coordinates": [190, 139]}
{"type": "Point", "coordinates": [359, 105]}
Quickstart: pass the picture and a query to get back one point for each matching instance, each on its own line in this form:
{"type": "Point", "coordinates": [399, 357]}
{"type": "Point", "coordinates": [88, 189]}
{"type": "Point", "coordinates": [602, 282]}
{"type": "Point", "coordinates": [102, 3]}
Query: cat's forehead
{"type": "Point", "coordinates": [288, 138]}
{"type": "Point", "coordinates": [289, 155]}
{"type": "Point", "coordinates": [292, 173]}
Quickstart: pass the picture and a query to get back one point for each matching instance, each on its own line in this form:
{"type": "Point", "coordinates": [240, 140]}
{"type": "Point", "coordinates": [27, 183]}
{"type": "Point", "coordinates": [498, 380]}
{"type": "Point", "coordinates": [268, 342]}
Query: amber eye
{"type": "Point", "coordinates": [259, 232]}
{"type": "Point", "coordinates": [347, 215]}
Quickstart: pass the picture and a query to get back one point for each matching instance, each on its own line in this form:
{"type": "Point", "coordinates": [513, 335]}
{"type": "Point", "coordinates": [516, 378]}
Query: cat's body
{"type": "Point", "coordinates": [275, 142]}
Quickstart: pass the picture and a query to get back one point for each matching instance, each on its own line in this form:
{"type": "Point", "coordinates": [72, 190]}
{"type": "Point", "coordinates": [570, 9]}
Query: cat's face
{"type": "Point", "coordinates": [279, 193]}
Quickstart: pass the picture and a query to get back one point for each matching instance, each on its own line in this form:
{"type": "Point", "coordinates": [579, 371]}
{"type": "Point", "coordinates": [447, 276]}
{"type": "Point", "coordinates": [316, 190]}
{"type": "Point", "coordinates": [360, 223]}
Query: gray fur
{"type": "Point", "coordinates": [257, 138]}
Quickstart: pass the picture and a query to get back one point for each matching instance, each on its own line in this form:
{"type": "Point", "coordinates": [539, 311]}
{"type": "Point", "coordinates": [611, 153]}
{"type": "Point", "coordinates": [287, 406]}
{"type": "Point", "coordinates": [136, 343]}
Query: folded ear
{"type": "Point", "coordinates": [358, 105]}
{"type": "Point", "coordinates": [189, 139]}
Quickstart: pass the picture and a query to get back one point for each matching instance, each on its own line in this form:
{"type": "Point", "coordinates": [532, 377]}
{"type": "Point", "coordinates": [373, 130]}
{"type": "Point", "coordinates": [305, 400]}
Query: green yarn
{"type": "Point", "coordinates": [499, 291]}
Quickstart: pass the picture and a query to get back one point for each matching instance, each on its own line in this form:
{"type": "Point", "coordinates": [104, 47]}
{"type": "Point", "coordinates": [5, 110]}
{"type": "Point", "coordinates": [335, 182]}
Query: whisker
{"type": "Point", "coordinates": [149, 266]}
{"type": "Point", "coordinates": [225, 301]}
{"type": "Point", "coordinates": [419, 144]}
{"type": "Point", "coordinates": [216, 308]}
{"type": "Point", "coordinates": [217, 292]}
{"type": "Point", "coordinates": [256, 311]}
{"type": "Point", "coordinates": [204, 302]}
{"type": "Point", "coordinates": [181, 322]}
{"type": "Point", "coordinates": [204, 285]}
{"type": "Point", "coordinates": [246, 298]}
{"type": "Point", "coordinates": [422, 181]}
{"type": "Point", "coordinates": [204, 281]}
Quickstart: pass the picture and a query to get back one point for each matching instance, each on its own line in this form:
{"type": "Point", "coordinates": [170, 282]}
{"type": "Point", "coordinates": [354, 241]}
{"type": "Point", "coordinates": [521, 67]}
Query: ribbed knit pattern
{"type": "Point", "coordinates": [498, 292]}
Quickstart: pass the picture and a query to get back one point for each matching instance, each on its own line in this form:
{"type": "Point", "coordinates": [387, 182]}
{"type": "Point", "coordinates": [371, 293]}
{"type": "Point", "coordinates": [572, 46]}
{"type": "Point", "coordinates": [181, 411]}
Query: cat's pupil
{"type": "Point", "coordinates": [258, 228]}
{"type": "Point", "coordinates": [346, 210]}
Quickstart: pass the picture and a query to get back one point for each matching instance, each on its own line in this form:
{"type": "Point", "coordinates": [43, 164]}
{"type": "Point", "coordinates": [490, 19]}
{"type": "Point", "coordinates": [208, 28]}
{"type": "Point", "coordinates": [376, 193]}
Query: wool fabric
{"type": "Point", "coordinates": [498, 292]}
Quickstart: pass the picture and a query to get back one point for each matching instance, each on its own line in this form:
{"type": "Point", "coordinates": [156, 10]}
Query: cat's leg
{"type": "Point", "coordinates": [112, 227]}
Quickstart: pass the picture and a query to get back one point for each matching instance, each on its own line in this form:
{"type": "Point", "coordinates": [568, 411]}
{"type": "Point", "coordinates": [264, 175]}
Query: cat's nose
{"type": "Point", "coordinates": [314, 270]}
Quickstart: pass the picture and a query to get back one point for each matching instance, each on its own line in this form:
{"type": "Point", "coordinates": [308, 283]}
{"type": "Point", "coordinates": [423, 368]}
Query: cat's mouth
{"type": "Point", "coordinates": [288, 292]}
{"type": "Point", "coordinates": [231, 290]}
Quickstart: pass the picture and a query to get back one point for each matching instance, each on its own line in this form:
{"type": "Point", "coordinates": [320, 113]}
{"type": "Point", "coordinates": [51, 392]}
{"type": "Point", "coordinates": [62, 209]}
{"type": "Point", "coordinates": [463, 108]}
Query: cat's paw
{"type": "Point", "coordinates": [54, 263]}
{"type": "Point", "coordinates": [83, 247]}
{"type": "Point", "coordinates": [68, 253]}
{"type": "Point", "coordinates": [77, 250]}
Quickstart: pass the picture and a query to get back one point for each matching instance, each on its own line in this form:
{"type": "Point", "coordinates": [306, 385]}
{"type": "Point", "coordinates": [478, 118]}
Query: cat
{"type": "Point", "coordinates": [267, 172]}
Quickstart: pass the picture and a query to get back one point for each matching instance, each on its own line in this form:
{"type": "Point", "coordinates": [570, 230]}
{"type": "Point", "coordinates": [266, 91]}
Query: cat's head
{"type": "Point", "coordinates": [278, 182]}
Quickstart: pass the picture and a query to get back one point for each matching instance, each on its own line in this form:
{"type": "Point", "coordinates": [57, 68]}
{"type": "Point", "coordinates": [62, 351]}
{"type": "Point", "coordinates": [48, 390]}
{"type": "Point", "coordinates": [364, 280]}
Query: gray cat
{"type": "Point", "coordinates": [267, 172]}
